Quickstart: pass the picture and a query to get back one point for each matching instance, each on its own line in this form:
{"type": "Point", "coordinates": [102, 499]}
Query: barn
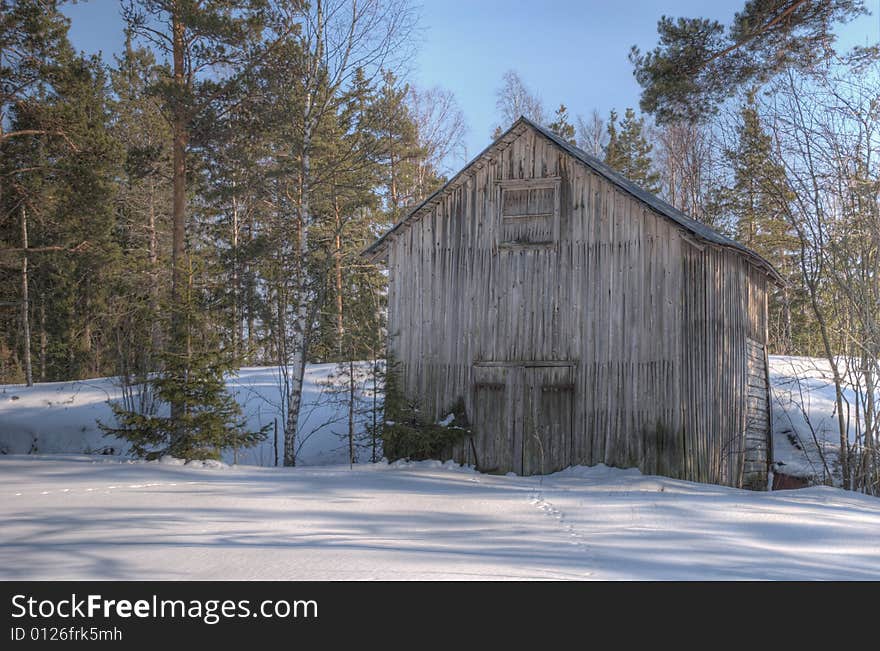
{"type": "Point", "coordinates": [580, 319]}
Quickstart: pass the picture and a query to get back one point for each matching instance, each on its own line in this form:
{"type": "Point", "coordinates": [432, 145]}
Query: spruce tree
{"type": "Point", "coordinates": [629, 152]}
{"type": "Point", "coordinates": [756, 201]}
{"type": "Point", "coordinates": [207, 419]}
{"type": "Point", "coordinates": [562, 127]}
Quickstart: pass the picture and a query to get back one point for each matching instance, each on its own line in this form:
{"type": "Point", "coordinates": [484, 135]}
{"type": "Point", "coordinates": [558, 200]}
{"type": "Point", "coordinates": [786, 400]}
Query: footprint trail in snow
{"type": "Point", "coordinates": [548, 509]}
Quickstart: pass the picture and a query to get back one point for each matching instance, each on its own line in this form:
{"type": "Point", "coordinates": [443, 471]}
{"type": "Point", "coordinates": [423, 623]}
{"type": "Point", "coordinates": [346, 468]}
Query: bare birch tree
{"type": "Point", "coordinates": [827, 129]}
{"type": "Point", "coordinates": [592, 133]}
{"type": "Point", "coordinates": [337, 39]}
{"type": "Point", "coordinates": [515, 99]}
{"type": "Point", "coordinates": [441, 129]}
{"type": "Point", "coordinates": [687, 161]}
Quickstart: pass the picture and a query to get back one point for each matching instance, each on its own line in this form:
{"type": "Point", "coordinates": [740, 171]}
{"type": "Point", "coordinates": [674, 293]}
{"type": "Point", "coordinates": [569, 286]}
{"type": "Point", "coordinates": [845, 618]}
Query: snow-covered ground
{"type": "Point", "coordinates": [99, 518]}
{"type": "Point", "coordinates": [62, 417]}
{"type": "Point", "coordinates": [805, 425]}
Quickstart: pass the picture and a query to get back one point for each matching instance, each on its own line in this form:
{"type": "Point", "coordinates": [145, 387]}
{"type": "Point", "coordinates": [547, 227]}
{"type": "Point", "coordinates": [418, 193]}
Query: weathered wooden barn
{"type": "Point", "coordinates": [581, 319]}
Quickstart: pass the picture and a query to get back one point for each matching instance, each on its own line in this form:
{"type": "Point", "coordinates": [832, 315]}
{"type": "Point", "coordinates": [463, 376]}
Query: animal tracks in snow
{"type": "Point", "coordinates": [575, 537]}
{"type": "Point", "coordinates": [105, 488]}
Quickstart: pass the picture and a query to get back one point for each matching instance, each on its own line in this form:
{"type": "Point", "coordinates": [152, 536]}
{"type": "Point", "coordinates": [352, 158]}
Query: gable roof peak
{"type": "Point", "coordinates": [696, 228]}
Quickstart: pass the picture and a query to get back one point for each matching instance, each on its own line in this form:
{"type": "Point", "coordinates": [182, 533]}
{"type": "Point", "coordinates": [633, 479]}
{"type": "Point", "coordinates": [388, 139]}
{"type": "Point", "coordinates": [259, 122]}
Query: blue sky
{"type": "Point", "coordinates": [567, 51]}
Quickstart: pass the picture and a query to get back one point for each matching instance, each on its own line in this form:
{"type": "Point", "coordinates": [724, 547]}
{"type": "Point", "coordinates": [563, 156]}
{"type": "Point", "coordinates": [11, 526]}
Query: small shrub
{"type": "Point", "coordinates": [406, 434]}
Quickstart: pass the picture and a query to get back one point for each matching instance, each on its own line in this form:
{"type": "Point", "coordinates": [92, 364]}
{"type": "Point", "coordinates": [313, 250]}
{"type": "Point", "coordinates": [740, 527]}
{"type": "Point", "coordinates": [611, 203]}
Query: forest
{"type": "Point", "coordinates": [199, 202]}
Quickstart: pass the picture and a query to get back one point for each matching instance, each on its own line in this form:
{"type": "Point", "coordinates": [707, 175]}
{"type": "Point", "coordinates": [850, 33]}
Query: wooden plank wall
{"type": "Point", "coordinates": [655, 324]}
{"type": "Point", "coordinates": [757, 416]}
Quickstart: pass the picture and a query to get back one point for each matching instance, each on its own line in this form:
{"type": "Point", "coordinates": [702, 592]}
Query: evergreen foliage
{"type": "Point", "coordinates": [408, 434]}
{"type": "Point", "coordinates": [629, 151]}
{"type": "Point", "coordinates": [209, 422]}
{"type": "Point", "coordinates": [562, 127]}
{"type": "Point", "coordinates": [56, 169]}
{"type": "Point", "coordinates": [757, 200]}
{"type": "Point", "coordinates": [700, 62]}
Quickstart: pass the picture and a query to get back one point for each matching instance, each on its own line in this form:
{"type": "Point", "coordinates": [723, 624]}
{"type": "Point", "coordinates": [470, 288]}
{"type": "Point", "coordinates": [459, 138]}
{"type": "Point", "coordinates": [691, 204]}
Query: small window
{"type": "Point", "coordinates": [529, 211]}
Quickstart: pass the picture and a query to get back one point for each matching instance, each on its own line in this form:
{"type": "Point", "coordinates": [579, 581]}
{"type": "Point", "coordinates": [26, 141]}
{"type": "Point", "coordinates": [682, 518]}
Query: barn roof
{"type": "Point", "coordinates": [697, 229]}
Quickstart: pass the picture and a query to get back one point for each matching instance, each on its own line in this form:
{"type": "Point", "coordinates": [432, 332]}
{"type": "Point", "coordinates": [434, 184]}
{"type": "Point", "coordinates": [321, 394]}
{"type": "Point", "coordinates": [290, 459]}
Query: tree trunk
{"type": "Point", "coordinates": [374, 413]}
{"type": "Point", "coordinates": [393, 185]}
{"type": "Point", "coordinates": [838, 386]}
{"type": "Point", "coordinates": [297, 363]}
{"type": "Point", "coordinates": [870, 426]}
{"type": "Point", "coordinates": [25, 302]}
{"type": "Point", "coordinates": [179, 339]}
{"type": "Point", "coordinates": [236, 316]}
{"type": "Point", "coordinates": [43, 340]}
{"type": "Point", "coordinates": [351, 385]}
{"type": "Point", "coordinates": [179, 129]}
{"type": "Point", "coordinates": [337, 264]}
{"type": "Point", "coordinates": [155, 334]}
{"type": "Point", "coordinates": [251, 297]}
{"type": "Point", "coordinates": [86, 342]}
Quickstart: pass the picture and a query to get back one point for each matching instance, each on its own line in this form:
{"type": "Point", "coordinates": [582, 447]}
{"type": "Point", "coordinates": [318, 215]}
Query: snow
{"type": "Point", "coordinates": [98, 517]}
{"type": "Point", "coordinates": [447, 420]}
{"type": "Point", "coordinates": [62, 417]}
{"type": "Point", "coordinates": [805, 425]}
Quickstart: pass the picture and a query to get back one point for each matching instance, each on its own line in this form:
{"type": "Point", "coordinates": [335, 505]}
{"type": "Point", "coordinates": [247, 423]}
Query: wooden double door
{"type": "Point", "coordinates": [523, 416]}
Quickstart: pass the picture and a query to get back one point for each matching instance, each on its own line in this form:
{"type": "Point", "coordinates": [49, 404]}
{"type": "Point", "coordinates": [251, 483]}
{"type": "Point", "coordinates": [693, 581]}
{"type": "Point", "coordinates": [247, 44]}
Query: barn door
{"type": "Point", "coordinates": [523, 417]}
{"type": "Point", "coordinates": [757, 434]}
{"type": "Point", "coordinates": [492, 420]}
{"type": "Point", "coordinates": [547, 418]}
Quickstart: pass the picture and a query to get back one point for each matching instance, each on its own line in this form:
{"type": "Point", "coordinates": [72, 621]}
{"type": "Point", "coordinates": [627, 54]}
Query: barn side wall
{"type": "Point", "coordinates": [654, 327]}
{"type": "Point", "coordinates": [724, 314]}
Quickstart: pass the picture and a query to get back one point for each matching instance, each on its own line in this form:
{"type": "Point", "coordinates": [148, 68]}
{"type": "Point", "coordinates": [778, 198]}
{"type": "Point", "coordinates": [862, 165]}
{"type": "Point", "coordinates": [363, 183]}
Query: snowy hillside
{"type": "Point", "coordinates": [805, 418]}
{"type": "Point", "coordinates": [62, 417]}
{"type": "Point", "coordinates": [82, 518]}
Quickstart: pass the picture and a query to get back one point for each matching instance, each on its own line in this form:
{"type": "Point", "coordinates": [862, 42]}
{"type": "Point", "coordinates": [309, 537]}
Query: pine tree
{"type": "Point", "coordinates": [757, 181]}
{"type": "Point", "coordinates": [399, 151]}
{"type": "Point", "coordinates": [699, 62]}
{"type": "Point", "coordinates": [629, 152]}
{"type": "Point", "coordinates": [562, 127]}
{"type": "Point", "coordinates": [59, 162]}
{"type": "Point", "coordinates": [347, 328]}
{"type": "Point", "coordinates": [236, 184]}
{"type": "Point", "coordinates": [142, 201]}
{"type": "Point", "coordinates": [198, 39]}
{"type": "Point", "coordinates": [34, 52]}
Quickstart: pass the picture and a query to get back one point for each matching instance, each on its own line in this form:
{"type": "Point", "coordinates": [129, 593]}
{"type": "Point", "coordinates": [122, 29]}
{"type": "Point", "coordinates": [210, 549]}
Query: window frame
{"type": "Point", "coordinates": [505, 185]}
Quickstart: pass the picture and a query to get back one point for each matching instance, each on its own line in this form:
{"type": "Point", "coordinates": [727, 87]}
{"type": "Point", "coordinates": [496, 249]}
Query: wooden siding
{"type": "Point", "coordinates": [757, 416]}
{"type": "Point", "coordinates": [632, 333]}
